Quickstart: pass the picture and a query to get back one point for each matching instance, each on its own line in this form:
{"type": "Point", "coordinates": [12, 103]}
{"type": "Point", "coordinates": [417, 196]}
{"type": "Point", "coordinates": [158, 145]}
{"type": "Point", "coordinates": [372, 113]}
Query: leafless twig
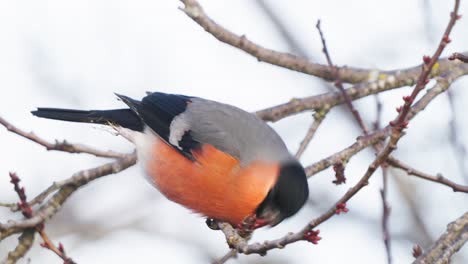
{"type": "Point", "coordinates": [374, 86]}
{"type": "Point", "coordinates": [437, 178]}
{"type": "Point", "coordinates": [459, 56]}
{"type": "Point", "coordinates": [231, 253]}
{"type": "Point", "coordinates": [53, 204]}
{"type": "Point", "coordinates": [338, 83]}
{"type": "Point", "coordinates": [25, 242]}
{"type": "Point", "coordinates": [60, 146]}
{"type": "Point", "coordinates": [448, 244]}
{"type": "Point", "coordinates": [386, 214]}
{"type": "Point", "coordinates": [367, 82]}
{"type": "Point", "coordinates": [347, 74]}
{"type": "Point", "coordinates": [396, 126]}
{"type": "Point", "coordinates": [28, 212]}
{"type": "Point", "coordinates": [319, 116]}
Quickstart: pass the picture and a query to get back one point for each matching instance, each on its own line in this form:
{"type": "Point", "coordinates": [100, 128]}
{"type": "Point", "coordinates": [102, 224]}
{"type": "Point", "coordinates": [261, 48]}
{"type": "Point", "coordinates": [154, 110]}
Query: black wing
{"type": "Point", "coordinates": [157, 110]}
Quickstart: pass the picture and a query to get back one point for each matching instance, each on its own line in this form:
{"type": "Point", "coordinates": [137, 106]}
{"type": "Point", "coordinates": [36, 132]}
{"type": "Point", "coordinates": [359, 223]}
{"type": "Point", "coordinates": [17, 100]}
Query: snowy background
{"type": "Point", "coordinates": [75, 54]}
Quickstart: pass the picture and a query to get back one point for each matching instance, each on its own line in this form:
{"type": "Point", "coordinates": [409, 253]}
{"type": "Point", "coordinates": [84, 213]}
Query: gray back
{"type": "Point", "coordinates": [234, 131]}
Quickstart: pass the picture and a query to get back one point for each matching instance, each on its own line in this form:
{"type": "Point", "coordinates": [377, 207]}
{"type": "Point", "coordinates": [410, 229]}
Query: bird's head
{"type": "Point", "coordinates": [286, 197]}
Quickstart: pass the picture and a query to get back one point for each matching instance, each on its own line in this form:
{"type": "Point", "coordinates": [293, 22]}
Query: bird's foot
{"type": "Point", "coordinates": [249, 224]}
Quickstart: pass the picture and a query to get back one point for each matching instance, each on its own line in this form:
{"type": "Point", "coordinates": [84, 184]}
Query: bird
{"type": "Point", "coordinates": [215, 159]}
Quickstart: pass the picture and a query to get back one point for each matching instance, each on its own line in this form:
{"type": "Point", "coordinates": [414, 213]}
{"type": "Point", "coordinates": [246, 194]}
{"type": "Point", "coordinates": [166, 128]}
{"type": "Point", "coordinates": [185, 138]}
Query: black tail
{"type": "Point", "coordinates": [122, 117]}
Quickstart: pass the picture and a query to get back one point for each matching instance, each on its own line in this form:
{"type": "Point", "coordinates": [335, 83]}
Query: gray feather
{"type": "Point", "coordinates": [232, 130]}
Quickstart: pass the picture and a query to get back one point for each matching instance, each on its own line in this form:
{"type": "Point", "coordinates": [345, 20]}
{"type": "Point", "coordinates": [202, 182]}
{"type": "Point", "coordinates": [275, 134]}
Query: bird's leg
{"type": "Point", "coordinates": [250, 223]}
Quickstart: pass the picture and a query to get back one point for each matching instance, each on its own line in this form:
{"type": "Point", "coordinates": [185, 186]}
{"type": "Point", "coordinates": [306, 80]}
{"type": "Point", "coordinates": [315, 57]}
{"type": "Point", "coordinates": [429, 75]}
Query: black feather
{"type": "Point", "coordinates": [158, 110]}
{"type": "Point", "coordinates": [187, 143]}
{"type": "Point", "coordinates": [122, 117]}
{"type": "Point", "coordinates": [289, 193]}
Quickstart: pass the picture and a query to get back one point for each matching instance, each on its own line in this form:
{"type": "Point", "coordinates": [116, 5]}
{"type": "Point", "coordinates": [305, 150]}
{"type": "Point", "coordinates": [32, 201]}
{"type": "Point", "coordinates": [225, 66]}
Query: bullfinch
{"type": "Point", "coordinates": [213, 158]}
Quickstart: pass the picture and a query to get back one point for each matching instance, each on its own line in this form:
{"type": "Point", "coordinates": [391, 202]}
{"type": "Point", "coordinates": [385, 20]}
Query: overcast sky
{"type": "Point", "coordinates": [75, 54]}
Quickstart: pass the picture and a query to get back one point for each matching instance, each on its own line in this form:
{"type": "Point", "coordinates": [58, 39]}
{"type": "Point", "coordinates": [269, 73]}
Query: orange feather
{"type": "Point", "coordinates": [214, 185]}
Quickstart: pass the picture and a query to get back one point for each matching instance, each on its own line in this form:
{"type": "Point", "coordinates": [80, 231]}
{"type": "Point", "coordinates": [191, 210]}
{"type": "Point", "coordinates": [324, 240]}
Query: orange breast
{"type": "Point", "coordinates": [214, 185]}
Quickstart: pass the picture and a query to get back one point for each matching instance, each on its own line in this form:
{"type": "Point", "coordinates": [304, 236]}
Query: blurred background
{"type": "Point", "coordinates": [75, 54]}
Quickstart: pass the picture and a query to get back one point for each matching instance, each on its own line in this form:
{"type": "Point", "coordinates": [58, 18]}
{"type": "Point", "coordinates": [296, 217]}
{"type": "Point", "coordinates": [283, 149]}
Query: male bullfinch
{"type": "Point", "coordinates": [213, 158]}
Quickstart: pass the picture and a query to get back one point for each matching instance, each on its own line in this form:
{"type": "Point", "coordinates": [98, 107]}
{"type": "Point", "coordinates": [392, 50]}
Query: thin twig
{"type": "Point", "coordinates": [437, 178]}
{"type": "Point", "coordinates": [386, 214]}
{"type": "Point", "coordinates": [319, 116]}
{"type": "Point", "coordinates": [363, 142]}
{"type": "Point", "coordinates": [380, 84]}
{"type": "Point", "coordinates": [59, 251]}
{"type": "Point", "coordinates": [60, 146]}
{"type": "Point", "coordinates": [447, 72]}
{"type": "Point", "coordinates": [53, 204]}
{"type": "Point", "coordinates": [459, 56]}
{"type": "Point", "coordinates": [232, 253]}
{"type": "Point", "coordinates": [28, 213]}
{"type": "Point", "coordinates": [448, 244]}
{"type": "Point", "coordinates": [261, 248]}
{"type": "Point", "coordinates": [384, 191]}
{"type": "Point", "coordinates": [378, 110]}
{"type": "Point", "coordinates": [344, 155]}
{"type": "Point", "coordinates": [339, 83]}
{"type": "Point", "coordinates": [25, 242]}
{"type": "Point", "coordinates": [347, 74]}
{"type": "Point", "coordinates": [396, 126]}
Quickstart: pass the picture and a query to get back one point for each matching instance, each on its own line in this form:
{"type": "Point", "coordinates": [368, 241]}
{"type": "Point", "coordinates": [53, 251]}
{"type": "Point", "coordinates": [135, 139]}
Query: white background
{"type": "Point", "coordinates": [75, 54]}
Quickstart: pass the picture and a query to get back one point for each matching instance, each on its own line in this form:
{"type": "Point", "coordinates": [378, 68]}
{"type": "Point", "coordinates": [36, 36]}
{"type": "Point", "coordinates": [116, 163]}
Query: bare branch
{"type": "Point", "coordinates": [437, 178]}
{"type": "Point", "coordinates": [319, 116]}
{"type": "Point", "coordinates": [60, 146]}
{"type": "Point", "coordinates": [232, 253]}
{"type": "Point", "coordinates": [25, 242]}
{"type": "Point", "coordinates": [459, 56]}
{"type": "Point", "coordinates": [339, 84]}
{"type": "Point", "coordinates": [53, 205]}
{"type": "Point", "coordinates": [331, 99]}
{"type": "Point", "coordinates": [386, 214]}
{"type": "Point", "coordinates": [345, 154]}
{"type": "Point", "coordinates": [386, 210]}
{"type": "Point", "coordinates": [442, 84]}
{"type": "Point", "coordinates": [193, 9]}
{"type": "Point", "coordinates": [28, 212]}
{"type": "Point", "coordinates": [396, 127]}
{"type": "Point", "coordinates": [448, 244]}
{"type": "Point", "coordinates": [59, 251]}
{"type": "Point", "coordinates": [369, 82]}
{"type": "Point", "coordinates": [347, 74]}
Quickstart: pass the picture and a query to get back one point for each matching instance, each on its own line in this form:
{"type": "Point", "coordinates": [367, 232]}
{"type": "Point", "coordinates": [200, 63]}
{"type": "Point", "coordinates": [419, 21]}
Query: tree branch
{"type": "Point", "coordinates": [396, 128]}
{"type": "Point", "coordinates": [438, 178]}
{"type": "Point", "coordinates": [347, 74]}
{"type": "Point", "coordinates": [448, 244]}
{"type": "Point", "coordinates": [60, 146]}
{"type": "Point", "coordinates": [339, 83]}
{"type": "Point", "coordinates": [25, 242]}
{"type": "Point", "coordinates": [319, 116]}
{"type": "Point", "coordinates": [330, 99]}
{"type": "Point", "coordinates": [459, 56]}
{"type": "Point", "coordinates": [53, 205]}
